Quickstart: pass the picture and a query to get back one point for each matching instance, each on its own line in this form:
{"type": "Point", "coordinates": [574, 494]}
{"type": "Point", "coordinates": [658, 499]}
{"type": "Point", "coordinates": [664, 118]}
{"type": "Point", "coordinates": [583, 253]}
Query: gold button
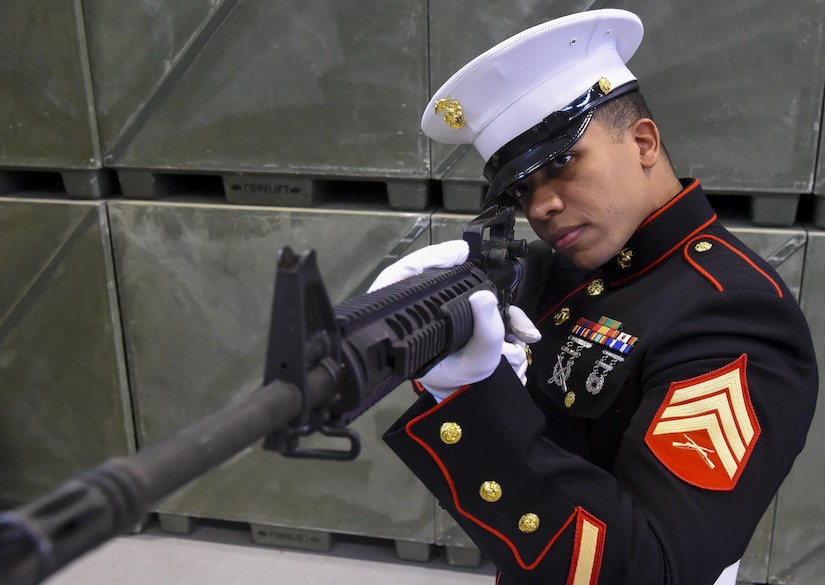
{"type": "Point", "coordinates": [528, 353]}
{"type": "Point", "coordinates": [529, 523]}
{"type": "Point", "coordinates": [569, 399]}
{"type": "Point", "coordinates": [562, 316]}
{"type": "Point", "coordinates": [450, 433]}
{"type": "Point", "coordinates": [605, 85]}
{"type": "Point", "coordinates": [703, 246]}
{"type": "Point", "coordinates": [625, 257]}
{"type": "Point", "coordinates": [595, 288]}
{"type": "Point", "coordinates": [490, 491]}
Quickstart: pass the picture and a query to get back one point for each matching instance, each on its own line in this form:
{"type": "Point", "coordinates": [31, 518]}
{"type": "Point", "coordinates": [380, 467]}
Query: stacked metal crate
{"type": "Point", "coordinates": [276, 99]}
{"type": "Point", "coordinates": [63, 380]}
{"type": "Point", "coordinates": [796, 554]}
{"type": "Point", "coordinates": [48, 125]}
{"type": "Point", "coordinates": [196, 284]}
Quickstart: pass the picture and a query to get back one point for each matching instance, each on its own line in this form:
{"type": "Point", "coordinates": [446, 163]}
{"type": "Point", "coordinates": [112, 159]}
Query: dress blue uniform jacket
{"type": "Point", "coordinates": [671, 391]}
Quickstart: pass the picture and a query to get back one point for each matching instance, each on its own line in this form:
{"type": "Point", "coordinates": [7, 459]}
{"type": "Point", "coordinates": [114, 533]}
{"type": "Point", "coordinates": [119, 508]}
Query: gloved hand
{"type": "Point", "coordinates": [445, 255]}
{"type": "Point", "coordinates": [482, 353]}
{"type": "Point", "coordinates": [479, 358]}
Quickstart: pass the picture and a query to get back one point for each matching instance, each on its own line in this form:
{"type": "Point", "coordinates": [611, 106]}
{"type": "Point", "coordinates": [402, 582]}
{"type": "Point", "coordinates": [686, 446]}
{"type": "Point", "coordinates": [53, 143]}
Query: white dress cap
{"type": "Point", "coordinates": [512, 87]}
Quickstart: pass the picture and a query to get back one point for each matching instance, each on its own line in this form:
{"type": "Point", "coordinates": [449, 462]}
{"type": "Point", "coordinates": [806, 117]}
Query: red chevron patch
{"type": "Point", "coordinates": [706, 429]}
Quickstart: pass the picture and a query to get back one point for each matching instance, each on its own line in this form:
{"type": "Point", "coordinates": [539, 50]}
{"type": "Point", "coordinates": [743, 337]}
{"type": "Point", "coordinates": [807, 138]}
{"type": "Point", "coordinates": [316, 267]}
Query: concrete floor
{"type": "Point", "coordinates": [223, 554]}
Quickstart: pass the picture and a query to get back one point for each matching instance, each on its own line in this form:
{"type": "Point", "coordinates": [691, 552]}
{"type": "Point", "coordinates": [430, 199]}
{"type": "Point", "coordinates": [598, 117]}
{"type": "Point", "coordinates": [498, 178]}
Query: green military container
{"type": "Point", "coordinates": [66, 404]}
{"type": "Point", "coordinates": [819, 185]}
{"type": "Point", "coordinates": [47, 108]}
{"type": "Point", "coordinates": [799, 528]}
{"type": "Point", "coordinates": [196, 282]}
{"type": "Point", "coordinates": [275, 98]}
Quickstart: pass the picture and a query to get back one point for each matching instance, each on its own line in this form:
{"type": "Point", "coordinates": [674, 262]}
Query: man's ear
{"type": "Point", "coordinates": [645, 134]}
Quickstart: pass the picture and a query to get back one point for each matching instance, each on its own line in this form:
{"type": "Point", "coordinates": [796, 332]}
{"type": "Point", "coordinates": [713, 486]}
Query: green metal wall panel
{"type": "Point", "coordinates": [46, 105]}
{"type": "Point", "coordinates": [737, 89]}
{"type": "Point", "coordinates": [133, 48]}
{"type": "Point", "coordinates": [196, 286]}
{"type": "Point", "coordinates": [62, 369]}
{"type": "Point", "coordinates": [321, 87]}
{"type": "Point", "coordinates": [819, 183]}
{"type": "Point", "coordinates": [798, 548]}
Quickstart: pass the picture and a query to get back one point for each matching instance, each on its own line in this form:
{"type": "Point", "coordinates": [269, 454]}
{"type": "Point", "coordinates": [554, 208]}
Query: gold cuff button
{"type": "Point", "coordinates": [703, 246]}
{"type": "Point", "coordinates": [450, 433]}
{"type": "Point", "coordinates": [529, 523]}
{"type": "Point", "coordinates": [490, 491]}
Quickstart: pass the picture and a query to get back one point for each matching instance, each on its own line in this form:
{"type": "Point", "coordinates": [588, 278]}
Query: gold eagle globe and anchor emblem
{"type": "Point", "coordinates": [625, 257]}
{"type": "Point", "coordinates": [453, 113]}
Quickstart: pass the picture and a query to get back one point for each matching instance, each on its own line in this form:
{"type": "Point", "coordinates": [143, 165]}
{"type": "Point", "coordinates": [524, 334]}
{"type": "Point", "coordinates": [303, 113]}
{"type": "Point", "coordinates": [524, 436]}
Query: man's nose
{"type": "Point", "coordinates": [543, 202]}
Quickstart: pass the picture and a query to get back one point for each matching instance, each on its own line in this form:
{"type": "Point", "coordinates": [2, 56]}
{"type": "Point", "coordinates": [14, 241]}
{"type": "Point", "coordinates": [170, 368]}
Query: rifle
{"type": "Point", "coordinates": [324, 367]}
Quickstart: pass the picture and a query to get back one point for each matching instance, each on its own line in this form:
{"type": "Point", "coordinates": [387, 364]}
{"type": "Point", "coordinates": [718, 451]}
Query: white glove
{"type": "Point", "coordinates": [479, 358]}
{"type": "Point", "coordinates": [445, 255]}
{"type": "Point", "coordinates": [521, 327]}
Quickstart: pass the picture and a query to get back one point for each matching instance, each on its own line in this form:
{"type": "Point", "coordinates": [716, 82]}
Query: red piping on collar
{"type": "Point", "coordinates": [624, 280]}
{"type": "Point", "coordinates": [669, 204]}
{"type": "Point", "coordinates": [668, 253]}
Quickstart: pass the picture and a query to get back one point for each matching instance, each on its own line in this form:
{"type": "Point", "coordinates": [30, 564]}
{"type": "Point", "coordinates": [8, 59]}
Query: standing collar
{"type": "Point", "coordinates": [661, 234]}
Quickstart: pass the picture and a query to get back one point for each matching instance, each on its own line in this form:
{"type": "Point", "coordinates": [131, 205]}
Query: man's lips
{"type": "Point", "coordinates": [566, 237]}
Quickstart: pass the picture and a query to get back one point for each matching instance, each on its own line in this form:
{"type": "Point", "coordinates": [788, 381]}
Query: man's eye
{"type": "Point", "coordinates": [560, 161]}
{"type": "Point", "coordinates": [519, 191]}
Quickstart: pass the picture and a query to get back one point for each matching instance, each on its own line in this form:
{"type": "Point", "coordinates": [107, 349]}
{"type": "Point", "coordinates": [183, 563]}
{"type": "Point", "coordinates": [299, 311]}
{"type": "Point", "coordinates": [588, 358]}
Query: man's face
{"type": "Point", "coordinates": [588, 202]}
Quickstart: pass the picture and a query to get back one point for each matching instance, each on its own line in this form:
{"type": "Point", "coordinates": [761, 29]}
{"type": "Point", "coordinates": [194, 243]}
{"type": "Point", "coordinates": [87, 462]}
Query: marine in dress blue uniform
{"type": "Point", "coordinates": [670, 392]}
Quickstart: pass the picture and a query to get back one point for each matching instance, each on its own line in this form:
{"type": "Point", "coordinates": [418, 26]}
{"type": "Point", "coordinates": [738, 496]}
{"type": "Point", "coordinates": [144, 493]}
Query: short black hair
{"type": "Point", "coordinates": [619, 114]}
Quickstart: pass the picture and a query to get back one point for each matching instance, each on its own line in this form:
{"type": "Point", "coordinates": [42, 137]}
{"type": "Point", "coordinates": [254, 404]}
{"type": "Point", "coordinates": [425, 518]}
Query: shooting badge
{"type": "Point", "coordinates": [561, 371]}
{"type": "Point", "coordinates": [606, 332]}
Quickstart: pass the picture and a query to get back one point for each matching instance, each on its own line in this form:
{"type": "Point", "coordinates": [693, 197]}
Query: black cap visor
{"type": "Point", "coordinates": [530, 151]}
{"type": "Point", "coordinates": [532, 159]}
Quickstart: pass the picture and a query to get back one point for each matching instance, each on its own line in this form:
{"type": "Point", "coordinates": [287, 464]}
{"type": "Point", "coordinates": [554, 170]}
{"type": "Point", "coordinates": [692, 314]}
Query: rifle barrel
{"type": "Point", "coordinates": [40, 538]}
